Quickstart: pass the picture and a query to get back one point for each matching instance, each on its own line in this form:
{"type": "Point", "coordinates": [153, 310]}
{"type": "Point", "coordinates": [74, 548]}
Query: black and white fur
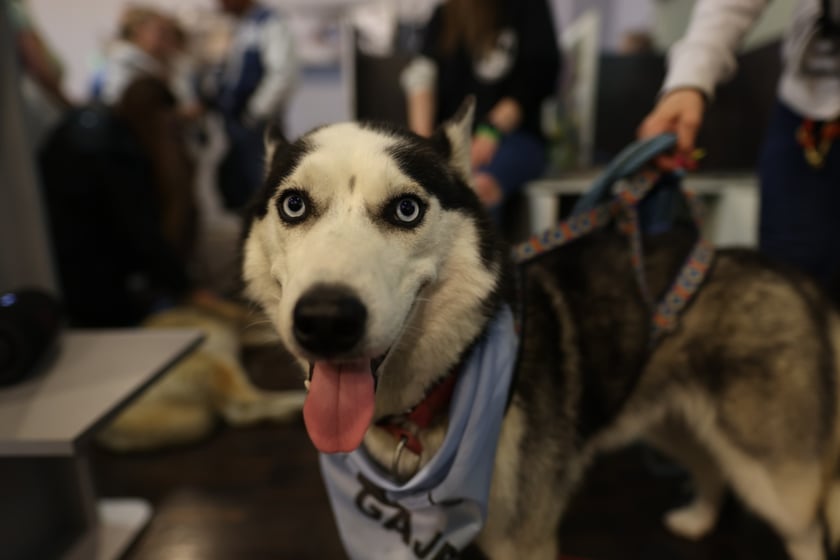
{"type": "Point", "coordinates": [744, 394]}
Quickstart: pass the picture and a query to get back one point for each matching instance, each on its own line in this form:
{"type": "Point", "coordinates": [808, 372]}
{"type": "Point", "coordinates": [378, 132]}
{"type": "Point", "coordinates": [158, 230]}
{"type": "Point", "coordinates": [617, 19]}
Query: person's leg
{"type": "Point", "coordinates": [241, 170]}
{"type": "Point", "coordinates": [799, 222]}
{"type": "Point", "coordinates": [521, 157]}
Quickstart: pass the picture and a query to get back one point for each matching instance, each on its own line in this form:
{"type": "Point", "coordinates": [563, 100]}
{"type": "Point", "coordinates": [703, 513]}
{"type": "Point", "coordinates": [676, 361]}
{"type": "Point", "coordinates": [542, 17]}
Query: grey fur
{"type": "Point", "coordinates": [744, 392]}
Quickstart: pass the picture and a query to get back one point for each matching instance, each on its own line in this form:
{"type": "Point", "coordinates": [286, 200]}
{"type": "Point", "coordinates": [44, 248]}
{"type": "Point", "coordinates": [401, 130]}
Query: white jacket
{"type": "Point", "coordinates": [126, 62]}
{"type": "Point", "coordinates": [705, 56]}
{"type": "Point", "coordinates": [264, 86]}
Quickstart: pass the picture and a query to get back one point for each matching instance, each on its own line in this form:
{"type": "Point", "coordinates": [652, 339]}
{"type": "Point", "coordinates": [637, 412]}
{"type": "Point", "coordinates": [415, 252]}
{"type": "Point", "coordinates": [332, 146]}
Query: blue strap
{"type": "Point", "coordinates": [646, 201]}
{"type": "Point", "coordinates": [630, 161]}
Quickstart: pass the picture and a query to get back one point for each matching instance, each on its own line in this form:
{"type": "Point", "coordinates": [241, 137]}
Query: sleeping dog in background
{"type": "Point", "coordinates": [440, 423]}
{"type": "Point", "coordinates": [207, 385]}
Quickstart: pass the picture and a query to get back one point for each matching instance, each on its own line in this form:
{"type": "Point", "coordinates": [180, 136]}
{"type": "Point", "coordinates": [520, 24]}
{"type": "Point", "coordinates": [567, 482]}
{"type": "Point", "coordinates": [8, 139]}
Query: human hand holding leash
{"type": "Point", "coordinates": [680, 112]}
{"type": "Point", "coordinates": [483, 149]}
{"type": "Point", "coordinates": [503, 118]}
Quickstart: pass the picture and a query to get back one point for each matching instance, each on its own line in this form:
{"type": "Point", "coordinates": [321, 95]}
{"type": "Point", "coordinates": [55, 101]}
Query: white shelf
{"type": "Point", "coordinates": [43, 421]}
{"type": "Point", "coordinates": [94, 374]}
{"type": "Point", "coordinates": [732, 199]}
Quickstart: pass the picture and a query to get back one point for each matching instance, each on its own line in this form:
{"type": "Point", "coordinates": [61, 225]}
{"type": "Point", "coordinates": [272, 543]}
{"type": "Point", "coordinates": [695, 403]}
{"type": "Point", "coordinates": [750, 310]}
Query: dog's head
{"type": "Point", "coordinates": [376, 263]}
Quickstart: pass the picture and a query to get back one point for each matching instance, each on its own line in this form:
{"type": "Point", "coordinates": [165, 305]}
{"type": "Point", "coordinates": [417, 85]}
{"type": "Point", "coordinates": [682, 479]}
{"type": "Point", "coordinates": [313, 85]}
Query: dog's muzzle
{"type": "Point", "coordinates": [329, 320]}
{"type": "Point", "coordinates": [330, 323]}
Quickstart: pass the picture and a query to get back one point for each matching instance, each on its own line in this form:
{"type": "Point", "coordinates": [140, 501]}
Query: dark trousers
{"type": "Point", "coordinates": [800, 205]}
{"type": "Point", "coordinates": [521, 158]}
{"type": "Point", "coordinates": [241, 170]}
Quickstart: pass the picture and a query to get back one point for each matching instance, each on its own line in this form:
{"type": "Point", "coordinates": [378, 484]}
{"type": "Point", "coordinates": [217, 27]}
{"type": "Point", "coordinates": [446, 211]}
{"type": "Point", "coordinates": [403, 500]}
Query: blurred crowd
{"type": "Point", "coordinates": [120, 171]}
{"type": "Point", "coordinates": [127, 204]}
{"type": "Point", "coordinates": [171, 138]}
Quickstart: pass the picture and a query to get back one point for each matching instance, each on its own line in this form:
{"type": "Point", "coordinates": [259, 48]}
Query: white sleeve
{"type": "Point", "coordinates": [419, 75]}
{"type": "Point", "coordinates": [115, 80]}
{"type": "Point", "coordinates": [706, 55]}
{"type": "Point", "coordinates": [119, 70]}
{"type": "Point", "coordinates": [279, 70]}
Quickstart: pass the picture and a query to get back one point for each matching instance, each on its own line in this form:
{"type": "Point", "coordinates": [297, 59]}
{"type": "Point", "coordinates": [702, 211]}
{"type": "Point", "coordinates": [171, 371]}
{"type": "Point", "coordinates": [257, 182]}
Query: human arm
{"type": "Point", "coordinates": [703, 58]}
{"type": "Point", "coordinates": [419, 79]}
{"type": "Point", "coordinates": [533, 78]}
{"type": "Point", "coordinates": [40, 64]}
{"type": "Point", "coordinates": [421, 111]}
{"type": "Point", "coordinates": [34, 53]}
{"type": "Point", "coordinates": [503, 118]}
{"type": "Point", "coordinates": [280, 71]}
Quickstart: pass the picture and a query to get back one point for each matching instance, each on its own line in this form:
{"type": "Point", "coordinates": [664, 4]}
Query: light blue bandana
{"type": "Point", "coordinates": [440, 510]}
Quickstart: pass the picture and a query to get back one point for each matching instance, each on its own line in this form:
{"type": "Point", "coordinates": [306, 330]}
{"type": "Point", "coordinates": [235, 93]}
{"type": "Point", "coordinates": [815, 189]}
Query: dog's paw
{"type": "Point", "coordinates": [693, 521]}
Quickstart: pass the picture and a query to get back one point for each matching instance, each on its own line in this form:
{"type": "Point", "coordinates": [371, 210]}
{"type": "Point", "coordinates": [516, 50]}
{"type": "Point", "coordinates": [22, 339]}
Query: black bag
{"type": "Point", "coordinates": [114, 264]}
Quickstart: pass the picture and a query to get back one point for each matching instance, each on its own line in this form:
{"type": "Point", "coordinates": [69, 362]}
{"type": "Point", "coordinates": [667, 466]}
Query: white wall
{"type": "Point", "coordinates": [666, 19]}
{"type": "Point", "coordinates": [617, 16]}
{"type": "Point", "coordinates": [672, 18]}
{"type": "Point", "coordinates": [79, 29]}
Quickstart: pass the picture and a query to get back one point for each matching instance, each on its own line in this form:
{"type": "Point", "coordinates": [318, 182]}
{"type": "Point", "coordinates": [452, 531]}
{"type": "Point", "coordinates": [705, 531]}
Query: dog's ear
{"type": "Point", "coordinates": [454, 138]}
{"type": "Point", "coordinates": [273, 139]}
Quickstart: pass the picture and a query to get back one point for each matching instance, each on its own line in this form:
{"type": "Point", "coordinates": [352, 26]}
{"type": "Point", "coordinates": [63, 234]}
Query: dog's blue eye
{"type": "Point", "coordinates": [293, 206]}
{"type": "Point", "coordinates": [408, 210]}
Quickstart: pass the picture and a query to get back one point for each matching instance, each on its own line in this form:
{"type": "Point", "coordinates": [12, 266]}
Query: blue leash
{"type": "Point", "coordinates": [640, 200]}
{"type": "Point", "coordinates": [628, 163]}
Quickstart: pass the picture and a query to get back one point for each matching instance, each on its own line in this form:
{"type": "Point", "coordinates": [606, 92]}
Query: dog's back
{"type": "Point", "coordinates": [744, 393]}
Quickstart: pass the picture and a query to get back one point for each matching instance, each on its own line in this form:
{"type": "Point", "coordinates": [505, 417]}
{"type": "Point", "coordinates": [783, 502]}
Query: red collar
{"type": "Point", "coordinates": [422, 415]}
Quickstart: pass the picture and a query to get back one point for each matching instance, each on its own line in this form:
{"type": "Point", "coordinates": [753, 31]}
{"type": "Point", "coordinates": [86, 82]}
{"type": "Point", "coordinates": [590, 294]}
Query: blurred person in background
{"type": "Point", "coordinates": [506, 53]}
{"type": "Point", "coordinates": [117, 188]}
{"type": "Point", "coordinates": [799, 167]}
{"type": "Point", "coordinates": [256, 82]}
{"type": "Point", "coordinates": [44, 98]}
{"type": "Point", "coordinates": [150, 43]}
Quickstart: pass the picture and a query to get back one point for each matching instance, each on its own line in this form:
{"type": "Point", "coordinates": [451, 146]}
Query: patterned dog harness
{"type": "Point", "coordinates": [626, 183]}
{"type": "Point", "coordinates": [440, 510]}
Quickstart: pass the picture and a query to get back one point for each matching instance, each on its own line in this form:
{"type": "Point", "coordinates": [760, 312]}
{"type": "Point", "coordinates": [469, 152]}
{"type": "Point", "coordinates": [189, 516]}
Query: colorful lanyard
{"type": "Point", "coordinates": [815, 154]}
{"type": "Point", "coordinates": [624, 210]}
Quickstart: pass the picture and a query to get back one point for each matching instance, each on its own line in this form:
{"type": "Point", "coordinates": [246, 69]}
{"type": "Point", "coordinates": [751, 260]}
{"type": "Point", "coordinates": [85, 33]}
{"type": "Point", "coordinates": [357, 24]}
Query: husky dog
{"type": "Point", "coordinates": [374, 260]}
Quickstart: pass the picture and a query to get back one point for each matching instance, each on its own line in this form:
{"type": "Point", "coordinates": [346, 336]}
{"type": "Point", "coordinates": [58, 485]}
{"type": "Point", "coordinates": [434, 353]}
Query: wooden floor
{"type": "Point", "coordinates": [256, 494]}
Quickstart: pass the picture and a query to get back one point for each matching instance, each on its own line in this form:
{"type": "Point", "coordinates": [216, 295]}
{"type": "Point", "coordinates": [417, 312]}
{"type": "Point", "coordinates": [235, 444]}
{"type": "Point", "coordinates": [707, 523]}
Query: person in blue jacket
{"type": "Point", "coordinates": [255, 85]}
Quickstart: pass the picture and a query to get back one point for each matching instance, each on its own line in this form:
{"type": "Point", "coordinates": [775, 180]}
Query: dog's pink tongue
{"type": "Point", "coordinates": [339, 406]}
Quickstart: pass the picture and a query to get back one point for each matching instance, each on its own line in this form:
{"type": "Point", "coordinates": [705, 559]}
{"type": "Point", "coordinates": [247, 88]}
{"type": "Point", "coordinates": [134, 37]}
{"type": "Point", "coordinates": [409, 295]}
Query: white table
{"type": "Point", "coordinates": [47, 501]}
{"type": "Point", "coordinates": [731, 199]}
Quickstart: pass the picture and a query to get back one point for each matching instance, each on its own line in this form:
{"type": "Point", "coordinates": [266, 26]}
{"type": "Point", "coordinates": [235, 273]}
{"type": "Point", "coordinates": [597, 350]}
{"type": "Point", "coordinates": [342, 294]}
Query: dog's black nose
{"type": "Point", "coordinates": [329, 320]}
